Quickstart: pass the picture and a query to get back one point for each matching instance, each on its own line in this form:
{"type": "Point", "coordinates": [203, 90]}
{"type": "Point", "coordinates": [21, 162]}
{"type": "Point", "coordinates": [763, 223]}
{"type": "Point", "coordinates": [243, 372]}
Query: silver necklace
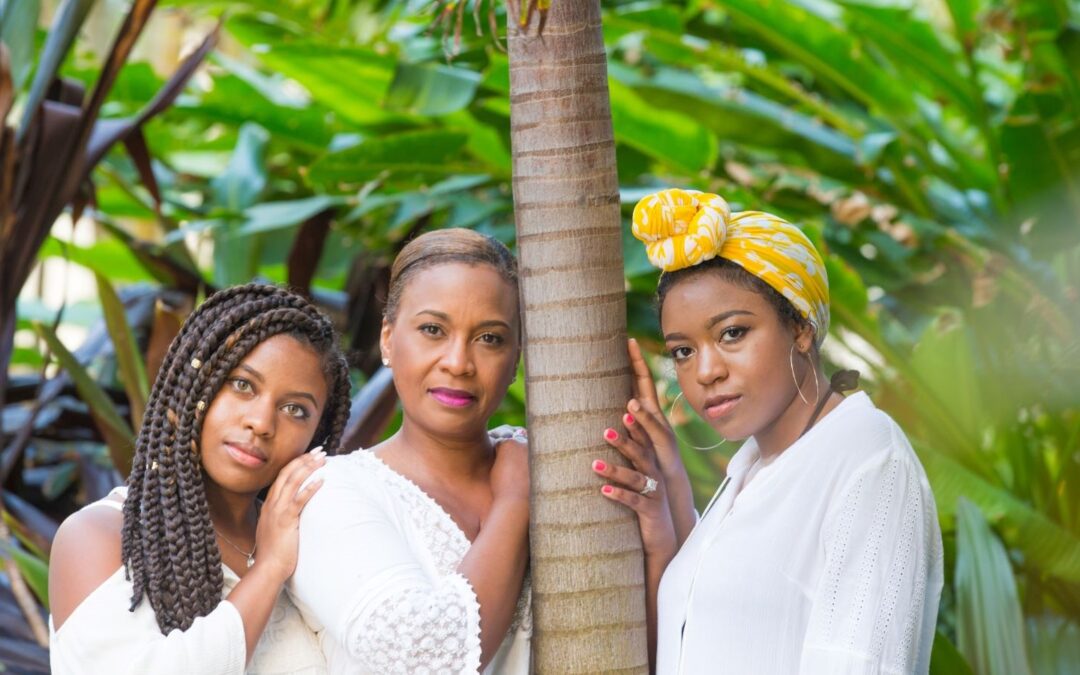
{"type": "Point", "coordinates": [250, 556]}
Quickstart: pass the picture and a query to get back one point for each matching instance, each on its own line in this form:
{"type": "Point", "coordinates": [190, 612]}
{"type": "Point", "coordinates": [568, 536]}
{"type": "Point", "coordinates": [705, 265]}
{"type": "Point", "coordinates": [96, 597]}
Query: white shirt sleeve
{"type": "Point", "coordinates": [875, 608]}
{"type": "Point", "coordinates": [360, 578]}
{"type": "Point", "coordinates": [105, 637]}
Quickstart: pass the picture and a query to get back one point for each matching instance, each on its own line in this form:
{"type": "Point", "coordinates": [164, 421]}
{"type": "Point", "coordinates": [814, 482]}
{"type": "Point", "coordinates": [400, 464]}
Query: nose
{"type": "Point", "coordinates": [259, 417]}
{"type": "Point", "coordinates": [457, 358]}
{"type": "Point", "coordinates": [711, 366]}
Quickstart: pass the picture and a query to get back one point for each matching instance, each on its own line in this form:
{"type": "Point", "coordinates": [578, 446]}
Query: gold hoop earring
{"type": "Point", "coordinates": [795, 379]}
{"type": "Point", "coordinates": [679, 436]}
{"type": "Point", "coordinates": [791, 362]}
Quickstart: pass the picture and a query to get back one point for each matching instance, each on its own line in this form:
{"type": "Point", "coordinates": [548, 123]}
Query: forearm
{"type": "Point", "coordinates": [495, 567]}
{"type": "Point", "coordinates": [254, 598]}
{"type": "Point", "coordinates": [655, 564]}
{"type": "Point", "coordinates": [680, 498]}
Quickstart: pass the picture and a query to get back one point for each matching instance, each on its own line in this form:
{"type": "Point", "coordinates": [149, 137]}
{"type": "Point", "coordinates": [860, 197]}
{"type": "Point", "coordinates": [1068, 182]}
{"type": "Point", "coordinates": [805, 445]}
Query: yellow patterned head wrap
{"type": "Point", "coordinates": [681, 228]}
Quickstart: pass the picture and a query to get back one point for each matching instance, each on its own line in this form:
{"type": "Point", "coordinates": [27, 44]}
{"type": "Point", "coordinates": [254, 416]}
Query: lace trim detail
{"type": "Point", "coordinates": [442, 537]}
{"type": "Point", "coordinates": [424, 631]}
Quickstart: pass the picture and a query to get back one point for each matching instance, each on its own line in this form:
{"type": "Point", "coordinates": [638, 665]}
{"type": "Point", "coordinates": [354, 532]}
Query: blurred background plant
{"type": "Point", "coordinates": [932, 147]}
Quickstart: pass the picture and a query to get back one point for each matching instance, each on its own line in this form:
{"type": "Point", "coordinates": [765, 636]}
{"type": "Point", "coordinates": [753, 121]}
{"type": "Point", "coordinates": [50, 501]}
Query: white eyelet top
{"type": "Point", "coordinates": [828, 562]}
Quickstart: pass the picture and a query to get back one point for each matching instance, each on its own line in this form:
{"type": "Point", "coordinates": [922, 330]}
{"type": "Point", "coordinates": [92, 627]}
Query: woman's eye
{"type": "Point", "coordinates": [297, 411]}
{"type": "Point", "coordinates": [681, 353]}
{"type": "Point", "coordinates": [430, 329]}
{"type": "Point", "coordinates": [733, 333]}
{"type": "Point", "coordinates": [492, 339]}
{"type": "Point", "coordinates": [240, 385]}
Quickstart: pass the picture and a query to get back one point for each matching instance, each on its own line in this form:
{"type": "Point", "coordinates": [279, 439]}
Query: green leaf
{"type": "Point", "coordinates": [412, 152]}
{"type": "Point", "coordinates": [106, 256]}
{"type": "Point", "coordinates": [914, 47]}
{"type": "Point", "coordinates": [944, 362]}
{"type": "Point", "coordinates": [233, 101]}
{"type": "Point", "coordinates": [351, 81]}
{"type": "Point", "coordinates": [1054, 645]}
{"type": "Point", "coordinates": [431, 89]}
{"type": "Point", "coordinates": [272, 216]}
{"type": "Point", "coordinates": [33, 569]}
{"type": "Point", "coordinates": [69, 19]}
{"type": "Point", "coordinates": [128, 356]}
{"type": "Point", "coordinates": [1046, 546]}
{"type": "Point", "coordinates": [827, 50]}
{"type": "Point", "coordinates": [946, 659]}
{"type": "Point", "coordinates": [118, 435]}
{"type": "Point", "coordinates": [244, 179]}
{"type": "Point", "coordinates": [668, 137]}
{"type": "Point", "coordinates": [18, 26]}
{"type": "Point", "coordinates": [989, 624]}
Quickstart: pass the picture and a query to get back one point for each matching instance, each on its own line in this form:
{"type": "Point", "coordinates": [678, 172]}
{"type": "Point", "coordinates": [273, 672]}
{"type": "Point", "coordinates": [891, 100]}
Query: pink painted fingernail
{"type": "Point", "coordinates": [599, 465]}
{"type": "Point", "coordinates": [611, 435]}
{"type": "Point", "coordinates": [628, 418]}
{"type": "Point", "coordinates": [607, 489]}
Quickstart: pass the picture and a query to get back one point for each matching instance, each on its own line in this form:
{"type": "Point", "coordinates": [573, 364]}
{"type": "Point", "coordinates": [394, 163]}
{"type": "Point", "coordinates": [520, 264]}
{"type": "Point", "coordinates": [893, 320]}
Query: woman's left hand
{"type": "Point", "coordinates": [642, 489]}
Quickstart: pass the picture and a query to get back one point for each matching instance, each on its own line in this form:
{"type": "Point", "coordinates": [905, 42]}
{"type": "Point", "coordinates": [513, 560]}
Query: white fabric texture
{"type": "Point", "coordinates": [102, 636]}
{"type": "Point", "coordinates": [828, 562]}
{"type": "Point", "coordinates": [378, 573]}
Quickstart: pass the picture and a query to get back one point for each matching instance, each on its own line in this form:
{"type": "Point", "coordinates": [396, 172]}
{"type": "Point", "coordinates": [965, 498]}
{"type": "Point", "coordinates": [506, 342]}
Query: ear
{"type": "Point", "coordinates": [804, 337]}
{"type": "Point", "coordinates": [384, 339]}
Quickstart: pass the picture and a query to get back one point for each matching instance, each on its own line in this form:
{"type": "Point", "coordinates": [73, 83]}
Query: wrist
{"type": "Point", "coordinates": [269, 571]}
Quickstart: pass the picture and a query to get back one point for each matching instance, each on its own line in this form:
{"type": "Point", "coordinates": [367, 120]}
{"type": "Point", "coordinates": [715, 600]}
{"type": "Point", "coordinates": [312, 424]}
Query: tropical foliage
{"type": "Point", "coordinates": [932, 148]}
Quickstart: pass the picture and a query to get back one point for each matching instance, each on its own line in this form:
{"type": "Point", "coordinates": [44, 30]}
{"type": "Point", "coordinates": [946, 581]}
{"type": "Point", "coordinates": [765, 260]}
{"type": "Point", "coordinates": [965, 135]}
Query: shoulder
{"type": "Point", "coordinates": [85, 553]}
{"type": "Point", "coordinates": [861, 434]}
{"type": "Point", "coordinates": [349, 483]}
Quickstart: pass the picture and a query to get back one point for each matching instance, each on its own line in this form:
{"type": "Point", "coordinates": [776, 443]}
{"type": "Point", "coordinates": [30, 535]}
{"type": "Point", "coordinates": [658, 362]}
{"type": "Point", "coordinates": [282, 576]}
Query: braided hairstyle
{"type": "Point", "coordinates": [168, 546]}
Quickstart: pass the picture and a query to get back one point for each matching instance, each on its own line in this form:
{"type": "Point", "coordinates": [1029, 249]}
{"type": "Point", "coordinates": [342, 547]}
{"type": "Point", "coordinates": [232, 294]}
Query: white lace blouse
{"type": "Point", "coordinates": [102, 636]}
{"type": "Point", "coordinates": [378, 573]}
{"type": "Point", "coordinates": [828, 562]}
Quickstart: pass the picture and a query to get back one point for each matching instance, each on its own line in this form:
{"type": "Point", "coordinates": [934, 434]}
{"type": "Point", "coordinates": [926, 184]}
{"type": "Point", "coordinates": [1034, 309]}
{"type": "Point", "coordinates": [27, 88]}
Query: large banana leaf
{"type": "Point", "coordinates": [989, 624]}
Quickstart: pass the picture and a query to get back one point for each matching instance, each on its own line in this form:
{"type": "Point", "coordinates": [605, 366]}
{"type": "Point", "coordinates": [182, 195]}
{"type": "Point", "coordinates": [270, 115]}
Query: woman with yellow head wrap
{"type": "Point", "coordinates": [820, 552]}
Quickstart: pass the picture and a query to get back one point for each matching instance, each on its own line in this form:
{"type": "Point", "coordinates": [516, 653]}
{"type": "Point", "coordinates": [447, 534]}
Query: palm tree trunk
{"type": "Point", "coordinates": [587, 571]}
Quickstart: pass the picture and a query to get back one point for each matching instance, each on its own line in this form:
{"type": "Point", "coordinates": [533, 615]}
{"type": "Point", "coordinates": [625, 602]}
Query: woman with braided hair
{"type": "Point", "coordinates": [820, 553]}
{"type": "Point", "coordinates": [181, 571]}
{"type": "Point", "coordinates": [413, 553]}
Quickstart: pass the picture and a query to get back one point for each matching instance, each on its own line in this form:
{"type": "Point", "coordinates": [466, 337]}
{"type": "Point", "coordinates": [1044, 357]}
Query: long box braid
{"type": "Point", "coordinates": [168, 546]}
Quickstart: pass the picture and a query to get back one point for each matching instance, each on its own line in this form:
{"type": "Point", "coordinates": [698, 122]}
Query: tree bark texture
{"type": "Point", "coordinates": [587, 570]}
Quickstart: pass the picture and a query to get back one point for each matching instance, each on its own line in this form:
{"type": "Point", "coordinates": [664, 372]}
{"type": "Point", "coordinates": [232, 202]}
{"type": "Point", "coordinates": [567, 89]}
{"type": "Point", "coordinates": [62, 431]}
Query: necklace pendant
{"type": "Point", "coordinates": [250, 561]}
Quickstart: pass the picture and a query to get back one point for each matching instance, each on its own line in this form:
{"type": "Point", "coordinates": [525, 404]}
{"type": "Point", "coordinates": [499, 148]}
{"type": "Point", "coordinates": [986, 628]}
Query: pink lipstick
{"type": "Point", "coordinates": [453, 398]}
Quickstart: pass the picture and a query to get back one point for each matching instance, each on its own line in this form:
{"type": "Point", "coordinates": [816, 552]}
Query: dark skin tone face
{"type": "Point", "coordinates": [734, 356]}
{"type": "Point", "coordinates": [264, 416]}
{"type": "Point", "coordinates": [453, 347]}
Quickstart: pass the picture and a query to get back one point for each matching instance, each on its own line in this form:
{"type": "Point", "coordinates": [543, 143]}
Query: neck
{"type": "Point", "coordinates": [465, 457]}
{"type": "Point", "coordinates": [231, 512]}
{"type": "Point", "coordinates": [783, 431]}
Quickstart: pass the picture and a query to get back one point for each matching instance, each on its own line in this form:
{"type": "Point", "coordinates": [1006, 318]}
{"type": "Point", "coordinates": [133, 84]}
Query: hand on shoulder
{"type": "Point", "coordinates": [85, 553]}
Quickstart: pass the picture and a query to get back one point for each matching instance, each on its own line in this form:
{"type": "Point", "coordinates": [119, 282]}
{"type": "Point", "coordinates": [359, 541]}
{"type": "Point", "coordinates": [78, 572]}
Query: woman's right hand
{"type": "Point", "coordinates": [642, 488]}
{"type": "Point", "coordinates": [645, 408]}
{"type": "Point", "coordinates": [646, 425]}
{"type": "Point", "coordinates": [277, 536]}
{"type": "Point", "coordinates": [510, 472]}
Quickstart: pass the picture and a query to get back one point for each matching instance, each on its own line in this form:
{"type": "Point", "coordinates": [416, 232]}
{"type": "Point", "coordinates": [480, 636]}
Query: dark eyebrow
{"type": "Point", "coordinates": [437, 315]}
{"type": "Point", "coordinates": [494, 322]}
{"type": "Point", "coordinates": [254, 373]}
{"type": "Point", "coordinates": [291, 394]}
{"type": "Point", "coordinates": [483, 324]}
{"type": "Point", "coordinates": [722, 316]}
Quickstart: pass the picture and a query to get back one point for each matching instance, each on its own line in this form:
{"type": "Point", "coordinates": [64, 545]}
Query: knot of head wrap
{"type": "Point", "coordinates": [681, 228]}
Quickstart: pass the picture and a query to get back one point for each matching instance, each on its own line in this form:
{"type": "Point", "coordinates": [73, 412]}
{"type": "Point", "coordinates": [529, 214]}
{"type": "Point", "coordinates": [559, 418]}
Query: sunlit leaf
{"type": "Point", "coordinates": [118, 435]}
{"type": "Point", "coordinates": [128, 356]}
{"type": "Point", "coordinates": [989, 624]}
{"type": "Point", "coordinates": [430, 89]}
